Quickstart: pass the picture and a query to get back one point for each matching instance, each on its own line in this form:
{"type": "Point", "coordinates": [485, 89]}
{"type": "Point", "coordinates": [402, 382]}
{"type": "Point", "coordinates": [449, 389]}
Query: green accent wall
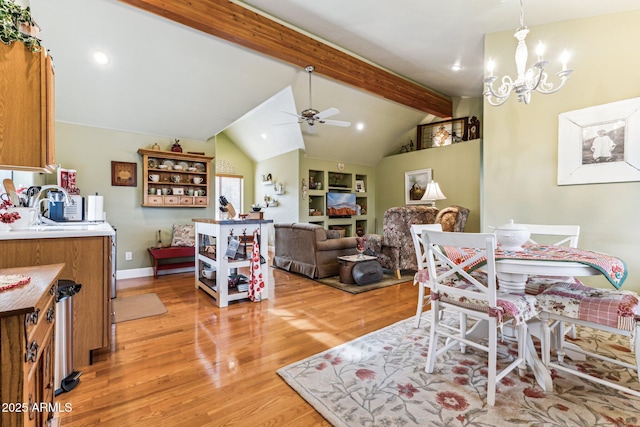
{"type": "Point", "coordinates": [456, 168]}
{"type": "Point", "coordinates": [228, 154]}
{"type": "Point", "coordinates": [520, 156]}
{"type": "Point", "coordinates": [90, 151]}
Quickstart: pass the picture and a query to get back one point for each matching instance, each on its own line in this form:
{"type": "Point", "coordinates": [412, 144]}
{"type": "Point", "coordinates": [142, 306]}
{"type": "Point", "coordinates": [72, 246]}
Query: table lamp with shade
{"type": "Point", "coordinates": [432, 193]}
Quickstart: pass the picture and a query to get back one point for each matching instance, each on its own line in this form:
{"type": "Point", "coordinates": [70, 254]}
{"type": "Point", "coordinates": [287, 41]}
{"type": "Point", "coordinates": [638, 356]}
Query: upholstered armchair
{"type": "Point", "coordinates": [394, 248]}
{"type": "Point", "coordinates": [453, 218]}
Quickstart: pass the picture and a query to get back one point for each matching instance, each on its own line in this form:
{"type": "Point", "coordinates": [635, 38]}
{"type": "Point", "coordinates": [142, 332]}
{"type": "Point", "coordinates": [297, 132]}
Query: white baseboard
{"type": "Point", "coordinates": [148, 272]}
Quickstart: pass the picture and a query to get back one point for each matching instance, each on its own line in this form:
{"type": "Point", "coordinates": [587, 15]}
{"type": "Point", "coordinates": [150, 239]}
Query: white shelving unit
{"type": "Point", "coordinates": [342, 182]}
{"type": "Point", "coordinates": [212, 242]}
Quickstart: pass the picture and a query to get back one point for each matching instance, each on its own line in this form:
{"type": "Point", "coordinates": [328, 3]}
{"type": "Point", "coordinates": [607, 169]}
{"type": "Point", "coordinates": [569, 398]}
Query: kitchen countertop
{"type": "Point", "coordinates": [58, 231]}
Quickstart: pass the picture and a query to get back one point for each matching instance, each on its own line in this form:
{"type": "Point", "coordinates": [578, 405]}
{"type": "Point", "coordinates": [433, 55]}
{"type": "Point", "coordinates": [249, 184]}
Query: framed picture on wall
{"type": "Point", "coordinates": [415, 185]}
{"type": "Point", "coordinates": [600, 144]}
{"type": "Point", "coordinates": [124, 174]}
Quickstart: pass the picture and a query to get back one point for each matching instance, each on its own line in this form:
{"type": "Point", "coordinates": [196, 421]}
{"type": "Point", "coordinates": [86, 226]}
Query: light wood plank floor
{"type": "Point", "coordinates": [199, 365]}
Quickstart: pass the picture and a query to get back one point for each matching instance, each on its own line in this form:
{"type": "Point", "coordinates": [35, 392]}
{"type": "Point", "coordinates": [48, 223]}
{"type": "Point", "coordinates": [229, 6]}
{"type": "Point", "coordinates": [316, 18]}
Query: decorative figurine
{"type": "Point", "coordinates": [155, 146]}
{"type": "Point", "coordinates": [176, 148]}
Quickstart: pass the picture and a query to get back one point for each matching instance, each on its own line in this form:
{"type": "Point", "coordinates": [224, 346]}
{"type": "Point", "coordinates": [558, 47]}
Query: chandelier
{"type": "Point", "coordinates": [528, 80]}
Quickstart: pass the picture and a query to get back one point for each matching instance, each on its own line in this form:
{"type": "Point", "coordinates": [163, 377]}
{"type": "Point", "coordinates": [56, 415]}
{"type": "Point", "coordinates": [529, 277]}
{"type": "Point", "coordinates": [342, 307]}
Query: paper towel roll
{"type": "Point", "coordinates": [95, 208]}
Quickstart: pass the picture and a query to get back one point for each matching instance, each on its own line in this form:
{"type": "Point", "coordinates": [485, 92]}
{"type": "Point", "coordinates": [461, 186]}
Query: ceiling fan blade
{"type": "Point", "coordinates": [327, 113]}
{"type": "Point", "coordinates": [291, 114]}
{"type": "Point", "coordinates": [336, 123]}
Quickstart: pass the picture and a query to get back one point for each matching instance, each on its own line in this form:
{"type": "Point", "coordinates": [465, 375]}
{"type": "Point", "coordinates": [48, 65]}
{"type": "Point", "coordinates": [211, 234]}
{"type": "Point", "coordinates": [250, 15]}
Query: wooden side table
{"type": "Point", "coordinates": [346, 266]}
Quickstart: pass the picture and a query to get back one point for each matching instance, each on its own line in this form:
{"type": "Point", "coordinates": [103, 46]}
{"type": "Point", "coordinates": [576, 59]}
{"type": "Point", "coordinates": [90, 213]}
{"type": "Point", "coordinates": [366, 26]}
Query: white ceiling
{"type": "Point", "coordinates": [169, 80]}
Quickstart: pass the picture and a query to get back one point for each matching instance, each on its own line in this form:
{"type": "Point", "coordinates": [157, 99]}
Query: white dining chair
{"type": "Point", "coordinates": [557, 235]}
{"type": "Point", "coordinates": [421, 277]}
{"type": "Point", "coordinates": [550, 234]}
{"type": "Point", "coordinates": [454, 289]}
{"type": "Point", "coordinates": [609, 310]}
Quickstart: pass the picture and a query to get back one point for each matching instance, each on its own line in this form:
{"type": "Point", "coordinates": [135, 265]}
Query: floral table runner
{"type": "Point", "coordinates": [10, 281]}
{"type": "Point", "coordinates": [614, 269]}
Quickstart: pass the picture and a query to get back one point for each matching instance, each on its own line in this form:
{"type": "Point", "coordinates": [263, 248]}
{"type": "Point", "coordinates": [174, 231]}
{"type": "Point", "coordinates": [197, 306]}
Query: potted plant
{"type": "Point", "coordinates": [16, 24]}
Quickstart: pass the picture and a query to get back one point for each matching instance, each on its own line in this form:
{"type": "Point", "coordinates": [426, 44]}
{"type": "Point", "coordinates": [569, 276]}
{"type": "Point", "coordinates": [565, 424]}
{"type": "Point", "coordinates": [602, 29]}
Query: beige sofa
{"type": "Point", "coordinates": [306, 249]}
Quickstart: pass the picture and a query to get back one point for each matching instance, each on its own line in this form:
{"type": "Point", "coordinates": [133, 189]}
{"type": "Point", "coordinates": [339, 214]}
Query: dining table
{"type": "Point", "coordinates": [513, 268]}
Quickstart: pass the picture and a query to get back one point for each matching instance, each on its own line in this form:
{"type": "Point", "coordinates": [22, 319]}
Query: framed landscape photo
{"type": "Point", "coordinates": [124, 174]}
{"type": "Point", "coordinates": [415, 185]}
{"type": "Point", "coordinates": [600, 144]}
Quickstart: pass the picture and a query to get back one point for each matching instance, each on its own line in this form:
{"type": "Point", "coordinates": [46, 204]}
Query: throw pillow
{"type": "Point", "coordinates": [333, 234]}
{"type": "Point", "coordinates": [183, 235]}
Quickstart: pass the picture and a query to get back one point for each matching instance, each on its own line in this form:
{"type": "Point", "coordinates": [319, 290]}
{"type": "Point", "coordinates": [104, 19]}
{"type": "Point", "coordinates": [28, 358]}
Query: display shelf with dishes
{"type": "Point", "coordinates": [174, 179]}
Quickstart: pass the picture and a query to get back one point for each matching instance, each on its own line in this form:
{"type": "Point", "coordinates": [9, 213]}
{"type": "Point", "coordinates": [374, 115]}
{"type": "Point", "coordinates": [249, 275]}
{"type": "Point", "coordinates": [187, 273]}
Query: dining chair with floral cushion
{"type": "Point", "coordinates": [557, 235]}
{"type": "Point", "coordinates": [455, 289]}
{"type": "Point", "coordinates": [609, 310]}
{"type": "Point", "coordinates": [568, 235]}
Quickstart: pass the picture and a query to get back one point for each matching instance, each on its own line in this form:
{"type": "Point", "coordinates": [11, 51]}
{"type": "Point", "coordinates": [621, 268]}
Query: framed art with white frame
{"type": "Point", "coordinates": [600, 144]}
{"type": "Point", "coordinates": [415, 184]}
{"type": "Point", "coordinates": [360, 186]}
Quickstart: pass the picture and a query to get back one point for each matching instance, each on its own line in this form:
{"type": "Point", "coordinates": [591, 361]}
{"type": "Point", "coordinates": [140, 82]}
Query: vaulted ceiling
{"type": "Point", "coordinates": [168, 79]}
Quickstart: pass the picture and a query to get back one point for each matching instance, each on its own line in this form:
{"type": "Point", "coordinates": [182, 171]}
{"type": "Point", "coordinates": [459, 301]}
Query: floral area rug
{"type": "Point", "coordinates": [379, 380]}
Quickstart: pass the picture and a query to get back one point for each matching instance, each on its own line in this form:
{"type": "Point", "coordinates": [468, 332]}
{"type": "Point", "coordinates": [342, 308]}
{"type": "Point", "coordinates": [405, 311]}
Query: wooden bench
{"type": "Point", "coordinates": [170, 258]}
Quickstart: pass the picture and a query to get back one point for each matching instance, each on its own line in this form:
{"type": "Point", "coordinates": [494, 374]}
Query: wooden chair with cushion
{"type": "Point", "coordinates": [608, 310]}
{"type": "Point", "coordinates": [476, 296]}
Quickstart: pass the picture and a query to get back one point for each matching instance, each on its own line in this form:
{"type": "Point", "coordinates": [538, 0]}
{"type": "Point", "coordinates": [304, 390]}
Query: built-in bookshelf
{"type": "Point", "coordinates": [321, 182]}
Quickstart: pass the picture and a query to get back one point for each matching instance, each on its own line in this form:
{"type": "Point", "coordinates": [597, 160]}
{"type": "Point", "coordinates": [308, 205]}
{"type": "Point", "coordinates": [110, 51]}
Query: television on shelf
{"type": "Point", "coordinates": [341, 205]}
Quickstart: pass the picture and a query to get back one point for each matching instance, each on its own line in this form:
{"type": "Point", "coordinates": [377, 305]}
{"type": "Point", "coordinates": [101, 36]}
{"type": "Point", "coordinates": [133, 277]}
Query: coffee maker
{"type": "Point", "coordinates": [56, 206]}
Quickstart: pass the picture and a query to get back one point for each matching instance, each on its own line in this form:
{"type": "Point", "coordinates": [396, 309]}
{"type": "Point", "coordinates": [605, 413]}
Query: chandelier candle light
{"type": "Point", "coordinates": [528, 80]}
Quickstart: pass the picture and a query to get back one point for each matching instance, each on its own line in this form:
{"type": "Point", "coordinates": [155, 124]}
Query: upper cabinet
{"type": "Point", "coordinates": [174, 180]}
{"type": "Point", "coordinates": [27, 113]}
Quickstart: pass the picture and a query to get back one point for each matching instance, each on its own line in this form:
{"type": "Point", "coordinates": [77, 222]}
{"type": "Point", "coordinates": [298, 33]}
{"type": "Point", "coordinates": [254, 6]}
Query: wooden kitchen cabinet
{"type": "Point", "coordinates": [87, 262]}
{"type": "Point", "coordinates": [186, 187]}
{"type": "Point", "coordinates": [27, 109]}
{"type": "Point", "coordinates": [27, 325]}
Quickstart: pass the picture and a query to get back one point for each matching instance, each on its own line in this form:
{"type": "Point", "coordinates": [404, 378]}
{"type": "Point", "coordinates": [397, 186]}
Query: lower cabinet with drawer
{"type": "Point", "coordinates": [26, 345]}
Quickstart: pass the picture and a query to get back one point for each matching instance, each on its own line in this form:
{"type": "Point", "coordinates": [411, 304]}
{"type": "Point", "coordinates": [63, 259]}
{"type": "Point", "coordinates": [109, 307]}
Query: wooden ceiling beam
{"type": "Point", "coordinates": [234, 23]}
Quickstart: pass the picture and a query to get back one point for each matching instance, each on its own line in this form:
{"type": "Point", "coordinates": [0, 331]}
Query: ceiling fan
{"type": "Point", "coordinates": [312, 116]}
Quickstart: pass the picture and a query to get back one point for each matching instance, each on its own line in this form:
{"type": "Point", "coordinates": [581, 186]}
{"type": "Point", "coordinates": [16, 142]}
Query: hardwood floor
{"type": "Point", "coordinates": [199, 365]}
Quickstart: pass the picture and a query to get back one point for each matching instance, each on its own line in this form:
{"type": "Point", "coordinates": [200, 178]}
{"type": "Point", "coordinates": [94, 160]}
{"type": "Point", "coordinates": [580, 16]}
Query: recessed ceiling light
{"type": "Point", "coordinates": [456, 67]}
{"type": "Point", "coordinates": [264, 136]}
{"type": "Point", "coordinates": [360, 126]}
{"type": "Point", "coordinates": [100, 57]}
